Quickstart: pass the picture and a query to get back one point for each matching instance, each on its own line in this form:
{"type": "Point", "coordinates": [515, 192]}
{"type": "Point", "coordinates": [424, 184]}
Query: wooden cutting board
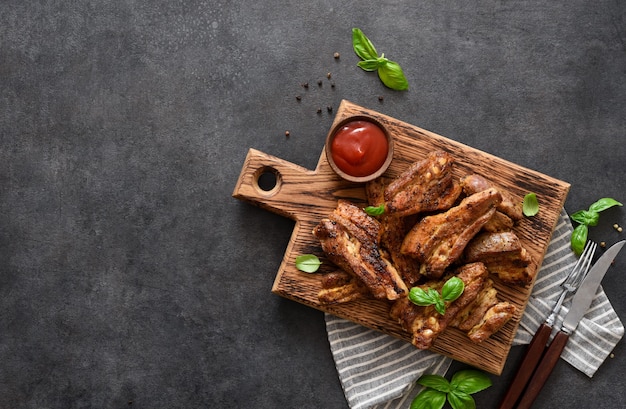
{"type": "Point", "coordinates": [306, 196]}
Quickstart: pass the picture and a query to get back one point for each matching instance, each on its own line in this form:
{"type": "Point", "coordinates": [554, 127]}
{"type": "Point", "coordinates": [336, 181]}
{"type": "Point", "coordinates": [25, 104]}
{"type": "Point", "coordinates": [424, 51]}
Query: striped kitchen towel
{"type": "Point", "coordinates": [379, 371]}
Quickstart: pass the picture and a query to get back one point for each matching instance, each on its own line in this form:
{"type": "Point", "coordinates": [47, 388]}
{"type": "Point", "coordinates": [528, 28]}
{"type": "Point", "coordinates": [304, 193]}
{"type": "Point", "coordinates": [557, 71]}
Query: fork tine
{"type": "Point", "coordinates": [574, 278]}
{"type": "Point", "coordinates": [582, 266]}
{"type": "Point", "coordinates": [588, 259]}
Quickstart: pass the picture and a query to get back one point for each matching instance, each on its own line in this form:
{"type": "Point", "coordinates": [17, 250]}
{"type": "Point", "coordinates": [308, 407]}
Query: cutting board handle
{"type": "Point", "coordinates": [293, 191]}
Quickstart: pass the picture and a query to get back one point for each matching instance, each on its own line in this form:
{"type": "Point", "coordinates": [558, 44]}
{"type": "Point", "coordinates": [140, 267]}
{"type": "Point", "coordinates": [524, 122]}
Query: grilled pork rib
{"type": "Point", "coordinates": [426, 186]}
{"type": "Point", "coordinates": [475, 183]}
{"type": "Point", "coordinates": [493, 320]}
{"type": "Point", "coordinates": [485, 315]}
{"type": "Point", "coordinates": [499, 222]}
{"type": "Point", "coordinates": [349, 238]}
{"type": "Point", "coordinates": [439, 240]}
{"type": "Point", "coordinates": [340, 287]}
{"type": "Point", "coordinates": [425, 324]}
{"type": "Point", "coordinates": [472, 314]}
{"type": "Point", "coordinates": [504, 256]}
{"type": "Point", "coordinates": [393, 230]}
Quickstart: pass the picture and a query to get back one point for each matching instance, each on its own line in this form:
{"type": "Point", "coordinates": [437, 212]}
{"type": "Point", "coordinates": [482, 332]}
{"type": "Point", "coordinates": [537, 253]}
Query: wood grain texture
{"type": "Point", "coordinates": [306, 196]}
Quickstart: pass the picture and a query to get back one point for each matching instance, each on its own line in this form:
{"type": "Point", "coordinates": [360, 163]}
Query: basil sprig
{"type": "Point", "coordinates": [588, 218]}
{"type": "Point", "coordinates": [389, 72]}
{"type": "Point", "coordinates": [309, 263]}
{"type": "Point", "coordinates": [451, 290]}
{"type": "Point", "coordinates": [457, 391]}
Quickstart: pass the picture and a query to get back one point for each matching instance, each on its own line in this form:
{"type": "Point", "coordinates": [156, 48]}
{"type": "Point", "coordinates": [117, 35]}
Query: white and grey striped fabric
{"type": "Point", "coordinates": [379, 371]}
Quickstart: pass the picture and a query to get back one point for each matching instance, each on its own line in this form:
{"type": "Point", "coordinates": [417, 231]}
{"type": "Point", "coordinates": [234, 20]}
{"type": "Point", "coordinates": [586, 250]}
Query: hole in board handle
{"type": "Point", "coordinates": [267, 181]}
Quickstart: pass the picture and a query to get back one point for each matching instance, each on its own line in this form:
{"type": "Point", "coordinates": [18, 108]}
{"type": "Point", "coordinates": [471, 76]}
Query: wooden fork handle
{"type": "Point", "coordinates": [544, 370]}
{"type": "Point", "coordinates": [527, 367]}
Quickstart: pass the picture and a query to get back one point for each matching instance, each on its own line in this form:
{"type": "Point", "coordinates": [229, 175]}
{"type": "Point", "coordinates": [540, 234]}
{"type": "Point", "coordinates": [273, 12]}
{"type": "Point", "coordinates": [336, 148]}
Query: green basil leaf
{"type": "Point", "coordinates": [461, 400]}
{"type": "Point", "coordinates": [375, 210]}
{"type": "Point", "coordinates": [436, 382]}
{"type": "Point", "coordinates": [452, 289]}
{"type": "Point", "coordinates": [309, 263]}
{"type": "Point", "coordinates": [470, 381]}
{"type": "Point", "coordinates": [433, 294]}
{"type": "Point", "coordinates": [578, 217]}
{"type": "Point", "coordinates": [603, 204]}
{"type": "Point", "coordinates": [429, 399]}
{"type": "Point", "coordinates": [440, 306]}
{"type": "Point", "coordinates": [368, 65]}
{"type": "Point", "coordinates": [390, 73]}
{"type": "Point", "coordinates": [579, 238]}
{"type": "Point", "coordinates": [363, 47]}
{"type": "Point", "coordinates": [530, 206]}
{"type": "Point", "coordinates": [420, 297]}
{"type": "Point", "coordinates": [586, 217]}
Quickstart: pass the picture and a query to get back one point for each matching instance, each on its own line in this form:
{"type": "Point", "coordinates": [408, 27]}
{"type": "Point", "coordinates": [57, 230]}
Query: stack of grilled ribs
{"type": "Point", "coordinates": [434, 226]}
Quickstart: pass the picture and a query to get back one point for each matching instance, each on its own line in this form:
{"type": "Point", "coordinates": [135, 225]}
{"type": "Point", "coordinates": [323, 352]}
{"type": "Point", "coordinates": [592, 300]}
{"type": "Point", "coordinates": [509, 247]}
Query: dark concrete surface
{"type": "Point", "coordinates": [129, 276]}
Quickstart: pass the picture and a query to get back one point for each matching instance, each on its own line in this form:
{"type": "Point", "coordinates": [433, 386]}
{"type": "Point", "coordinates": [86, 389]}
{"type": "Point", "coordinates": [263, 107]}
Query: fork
{"type": "Point", "coordinates": [540, 339]}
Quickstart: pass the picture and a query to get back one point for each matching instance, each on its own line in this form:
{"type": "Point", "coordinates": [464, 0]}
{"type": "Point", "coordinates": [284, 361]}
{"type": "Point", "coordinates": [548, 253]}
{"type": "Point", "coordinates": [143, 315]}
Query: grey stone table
{"type": "Point", "coordinates": [129, 276]}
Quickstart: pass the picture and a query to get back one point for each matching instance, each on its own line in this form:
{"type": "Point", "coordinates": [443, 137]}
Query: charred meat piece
{"type": "Point", "coordinates": [503, 255]}
{"type": "Point", "coordinates": [485, 316]}
{"type": "Point", "coordinates": [375, 191]}
{"type": "Point", "coordinates": [341, 287]}
{"type": "Point", "coordinates": [360, 222]}
{"type": "Point", "coordinates": [426, 186]}
{"type": "Point", "coordinates": [349, 238]}
{"type": "Point", "coordinates": [499, 222]}
{"type": "Point", "coordinates": [492, 322]}
{"type": "Point", "coordinates": [439, 240]}
{"type": "Point", "coordinates": [425, 324]}
{"type": "Point", "coordinates": [510, 206]}
{"type": "Point", "coordinates": [471, 315]}
{"type": "Point", "coordinates": [336, 279]}
{"type": "Point", "coordinates": [393, 230]}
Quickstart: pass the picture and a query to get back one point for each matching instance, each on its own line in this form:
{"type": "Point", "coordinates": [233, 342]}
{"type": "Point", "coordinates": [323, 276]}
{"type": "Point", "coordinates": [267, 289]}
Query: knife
{"type": "Point", "coordinates": [580, 304]}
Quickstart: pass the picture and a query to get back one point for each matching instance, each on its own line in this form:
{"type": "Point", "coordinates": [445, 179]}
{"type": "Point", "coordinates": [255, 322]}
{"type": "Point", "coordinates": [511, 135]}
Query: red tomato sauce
{"type": "Point", "coordinates": [359, 148]}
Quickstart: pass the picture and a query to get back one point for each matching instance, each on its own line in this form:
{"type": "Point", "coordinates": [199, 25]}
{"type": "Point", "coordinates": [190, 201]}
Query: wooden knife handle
{"type": "Point", "coordinates": [544, 370]}
{"type": "Point", "coordinates": [527, 367]}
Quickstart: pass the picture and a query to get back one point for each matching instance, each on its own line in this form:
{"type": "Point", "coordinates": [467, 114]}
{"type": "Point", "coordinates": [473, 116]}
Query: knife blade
{"type": "Point", "coordinates": [580, 304]}
{"type": "Point", "coordinates": [589, 287]}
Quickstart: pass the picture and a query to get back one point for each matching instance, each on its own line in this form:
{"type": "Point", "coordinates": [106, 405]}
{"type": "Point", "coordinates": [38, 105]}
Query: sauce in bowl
{"type": "Point", "coordinates": [359, 148]}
